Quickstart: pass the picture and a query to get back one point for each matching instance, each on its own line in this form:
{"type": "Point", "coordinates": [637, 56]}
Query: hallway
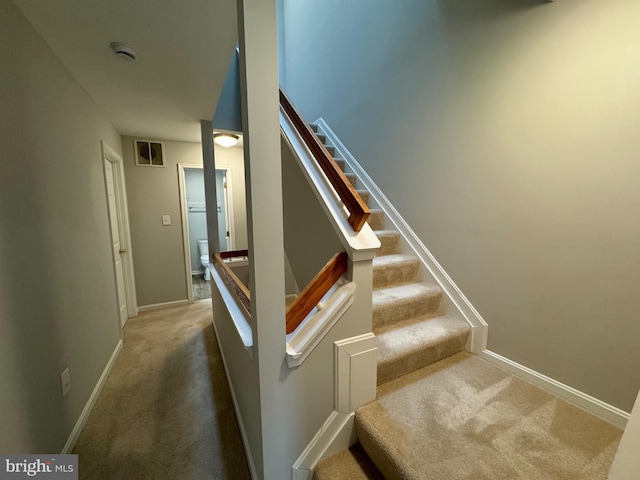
{"type": "Point", "coordinates": [165, 411]}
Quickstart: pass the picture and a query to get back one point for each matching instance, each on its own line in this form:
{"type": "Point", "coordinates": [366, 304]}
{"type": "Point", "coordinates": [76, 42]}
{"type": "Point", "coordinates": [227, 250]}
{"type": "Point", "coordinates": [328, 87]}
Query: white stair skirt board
{"type": "Point", "coordinates": [355, 360]}
{"type": "Point", "coordinates": [454, 298]}
{"type": "Point", "coordinates": [592, 405]}
{"type": "Point", "coordinates": [86, 411]}
{"type": "Point", "coordinates": [453, 302]}
{"type": "Point", "coordinates": [160, 306]}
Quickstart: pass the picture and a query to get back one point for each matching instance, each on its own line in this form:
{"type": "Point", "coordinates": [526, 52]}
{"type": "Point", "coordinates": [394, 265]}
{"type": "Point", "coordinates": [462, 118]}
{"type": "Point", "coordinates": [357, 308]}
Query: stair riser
{"type": "Point", "coordinates": [389, 244]}
{"type": "Point", "coordinates": [353, 180]}
{"type": "Point", "coordinates": [395, 368]}
{"type": "Point", "coordinates": [341, 163]}
{"type": "Point", "coordinates": [395, 274]}
{"type": "Point", "coordinates": [376, 220]}
{"type": "Point", "coordinates": [364, 195]}
{"type": "Point", "coordinates": [378, 455]}
{"type": "Point", "coordinates": [389, 314]}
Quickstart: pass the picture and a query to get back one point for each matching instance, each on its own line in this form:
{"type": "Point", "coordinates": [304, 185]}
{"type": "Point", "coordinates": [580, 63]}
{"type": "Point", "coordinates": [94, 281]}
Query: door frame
{"type": "Point", "coordinates": [185, 218]}
{"type": "Point", "coordinates": [122, 214]}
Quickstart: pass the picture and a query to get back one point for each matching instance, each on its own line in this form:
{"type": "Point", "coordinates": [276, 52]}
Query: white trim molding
{"type": "Point", "coordinates": [160, 306]}
{"type": "Point", "coordinates": [586, 402]}
{"type": "Point", "coordinates": [313, 329]}
{"type": "Point", "coordinates": [337, 433]}
{"type": "Point", "coordinates": [93, 398]}
{"type": "Point", "coordinates": [355, 361]}
{"type": "Point", "coordinates": [236, 312]}
{"type": "Point", "coordinates": [454, 301]}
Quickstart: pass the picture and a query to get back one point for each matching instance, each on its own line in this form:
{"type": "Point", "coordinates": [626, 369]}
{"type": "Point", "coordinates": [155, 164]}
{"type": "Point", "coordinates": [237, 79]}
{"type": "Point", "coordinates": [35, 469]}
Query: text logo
{"type": "Point", "coordinates": [46, 467]}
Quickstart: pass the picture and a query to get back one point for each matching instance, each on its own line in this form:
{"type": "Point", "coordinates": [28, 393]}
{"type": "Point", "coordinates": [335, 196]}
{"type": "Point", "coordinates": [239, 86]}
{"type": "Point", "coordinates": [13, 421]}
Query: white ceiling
{"type": "Point", "coordinates": [184, 48]}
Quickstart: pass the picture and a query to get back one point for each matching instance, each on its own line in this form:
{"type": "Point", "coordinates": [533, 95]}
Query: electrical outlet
{"type": "Point", "coordinates": [166, 220]}
{"type": "Point", "coordinates": [65, 381]}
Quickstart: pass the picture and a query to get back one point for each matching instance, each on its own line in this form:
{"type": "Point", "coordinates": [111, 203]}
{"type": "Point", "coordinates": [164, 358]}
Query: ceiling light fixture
{"type": "Point", "coordinates": [226, 139]}
{"type": "Point", "coordinates": [124, 52]}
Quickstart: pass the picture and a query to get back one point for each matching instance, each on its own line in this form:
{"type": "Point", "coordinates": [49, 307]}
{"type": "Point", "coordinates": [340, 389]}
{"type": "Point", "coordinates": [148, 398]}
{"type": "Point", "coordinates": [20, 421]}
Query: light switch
{"type": "Point", "coordinates": [166, 220]}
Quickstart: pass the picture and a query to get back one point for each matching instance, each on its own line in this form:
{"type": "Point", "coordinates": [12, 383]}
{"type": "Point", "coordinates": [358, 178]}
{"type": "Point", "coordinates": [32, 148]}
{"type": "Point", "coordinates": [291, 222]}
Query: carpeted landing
{"type": "Point", "coordinates": [443, 414]}
{"type": "Point", "coordinates": [462, 418]}
{"type": "Point", "coordinates": [165, 411]}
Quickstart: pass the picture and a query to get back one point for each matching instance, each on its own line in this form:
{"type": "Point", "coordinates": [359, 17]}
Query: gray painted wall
{"type": "Point", "coordinates": [228, 115]}
{"type": "Point", "coordinates": [158, 251]}
{"type": "Point", "coordinates": [57, 287]}
{"type": "Point", "coordinates": [506, 134]}
{"type": "Point", "coordinates": [309, 239]}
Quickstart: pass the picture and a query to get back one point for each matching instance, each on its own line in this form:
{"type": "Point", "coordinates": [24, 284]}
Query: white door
{"type": "Point", "coordinates": [118, 251]}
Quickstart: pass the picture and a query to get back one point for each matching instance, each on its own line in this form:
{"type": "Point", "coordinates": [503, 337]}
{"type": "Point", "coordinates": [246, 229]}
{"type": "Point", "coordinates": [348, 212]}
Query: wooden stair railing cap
{"type": "Point", "coordinates": [358, 210]}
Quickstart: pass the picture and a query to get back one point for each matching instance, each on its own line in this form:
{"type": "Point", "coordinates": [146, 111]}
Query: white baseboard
{"type": "Point", "coordinates": [86, 411]}
{"type": "Point", "coordinates": [592, 405]}
{"type": "Point", "coordinates": [453, 301]}
{"type": "Point", "coordinates": [337, 433]}
{"type": "Point", "coordinates": [160, 306]}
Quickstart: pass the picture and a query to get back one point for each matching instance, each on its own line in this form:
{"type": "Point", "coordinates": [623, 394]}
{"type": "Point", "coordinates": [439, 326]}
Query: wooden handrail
{"type": "Point", "coordinates": [231, 279]}
{"type": "Point", "coordinates": [358, 210]}
{"type": "Point", "coordinates": [234, 254]}
{"type": "Point", "coordinates": [317, 288]}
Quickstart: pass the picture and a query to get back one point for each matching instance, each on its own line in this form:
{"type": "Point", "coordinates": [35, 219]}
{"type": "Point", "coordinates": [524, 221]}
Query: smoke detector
{"type": "Point", "coordinates": [124, 52]}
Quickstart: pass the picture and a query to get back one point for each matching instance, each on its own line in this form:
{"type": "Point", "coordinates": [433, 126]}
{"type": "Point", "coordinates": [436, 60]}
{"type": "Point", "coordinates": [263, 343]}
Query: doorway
{"type": "Point", "coordinates": [120, 234]}
{"type": "Point", "coordinates": [194, 225]}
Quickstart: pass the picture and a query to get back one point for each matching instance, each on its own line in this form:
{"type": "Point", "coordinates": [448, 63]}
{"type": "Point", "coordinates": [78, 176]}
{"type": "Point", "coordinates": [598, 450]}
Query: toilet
{"type": "Point", "coordinates": [203, 248]}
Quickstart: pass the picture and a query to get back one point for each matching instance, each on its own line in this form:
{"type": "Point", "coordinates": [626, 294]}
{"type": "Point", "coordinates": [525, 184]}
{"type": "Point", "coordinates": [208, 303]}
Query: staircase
{"type": "Point", "coordinates": [442, 413]}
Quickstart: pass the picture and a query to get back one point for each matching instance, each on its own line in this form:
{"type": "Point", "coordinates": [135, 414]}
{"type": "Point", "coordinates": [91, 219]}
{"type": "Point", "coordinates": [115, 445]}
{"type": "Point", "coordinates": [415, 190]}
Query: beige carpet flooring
{"type": "Point", "coordinates": [165, 411]}
{"type": "Point", "coordinates": [463, 418]}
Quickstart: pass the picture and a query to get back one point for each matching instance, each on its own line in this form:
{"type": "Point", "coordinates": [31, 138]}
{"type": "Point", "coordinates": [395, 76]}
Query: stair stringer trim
{"type": "Point", "coordinates": [355, 359]}
{"type": "Point", "coordinates": [454, 302]}
{"type": "Point", "coordinates": [477, 343]}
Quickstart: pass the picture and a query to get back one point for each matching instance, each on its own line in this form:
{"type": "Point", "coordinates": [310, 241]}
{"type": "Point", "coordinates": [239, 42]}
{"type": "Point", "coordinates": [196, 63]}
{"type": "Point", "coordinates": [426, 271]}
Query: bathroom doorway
{"type": "Point", "coordinates": [194, 224]}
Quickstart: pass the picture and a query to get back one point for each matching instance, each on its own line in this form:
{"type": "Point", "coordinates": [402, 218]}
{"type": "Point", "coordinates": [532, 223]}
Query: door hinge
{"type": "Point", "coordinates": [224, 185]}
{"type": "Point", "coordinates": [227, 233]}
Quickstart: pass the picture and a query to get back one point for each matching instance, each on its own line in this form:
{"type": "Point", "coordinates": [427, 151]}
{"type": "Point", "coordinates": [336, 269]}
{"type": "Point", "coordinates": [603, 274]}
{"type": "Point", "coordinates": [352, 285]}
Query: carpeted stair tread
{"type": "Point", "coordinates": [417, 343]}
{"type": "Point", "coordinates": [376, 219]}
{"type": "Point", "coordinates": [389, 240]}
{"type": "Point", "coordinates": [393, 269]}
{"type": "Point", "coordinates": [349, 464]}
{"type": "Point", "coordinates": [462, 418]}
{"type": "Point", "coordinates": [402, 302]}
